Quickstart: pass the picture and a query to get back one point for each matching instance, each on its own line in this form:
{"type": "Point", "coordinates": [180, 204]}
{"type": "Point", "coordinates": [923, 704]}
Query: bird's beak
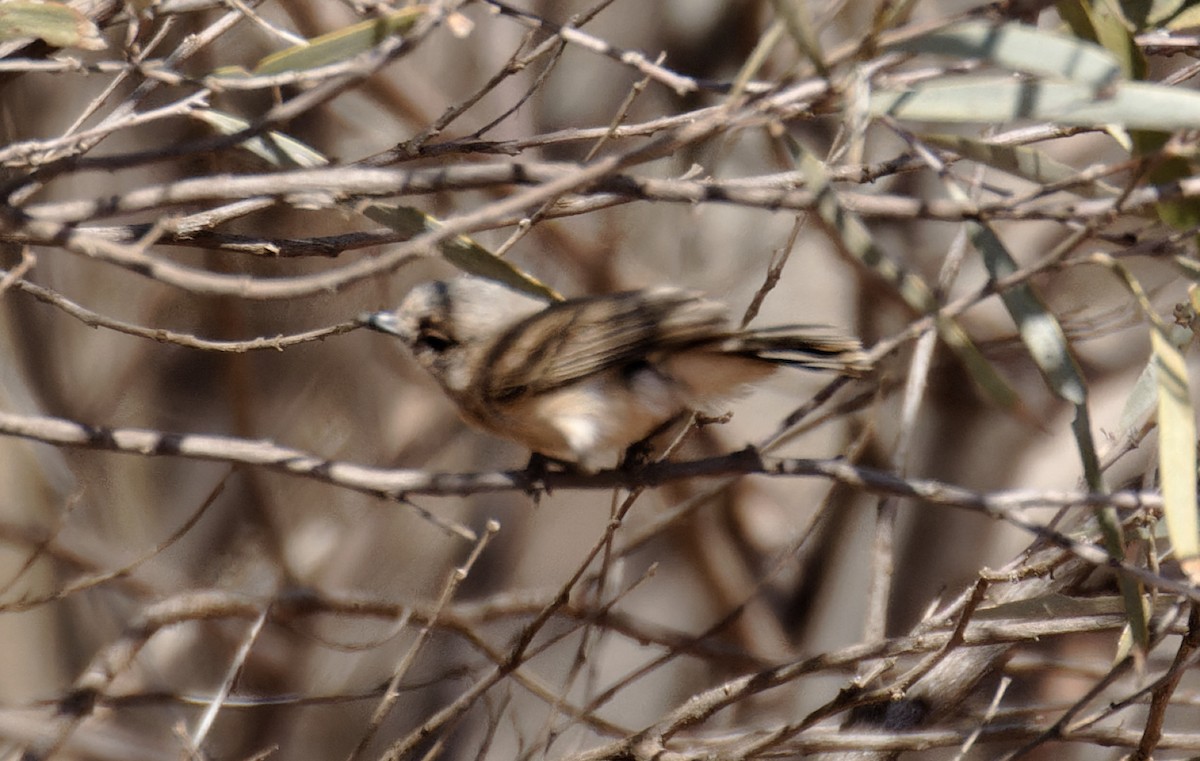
{"type": "Point", "coordinates": [384, 322]}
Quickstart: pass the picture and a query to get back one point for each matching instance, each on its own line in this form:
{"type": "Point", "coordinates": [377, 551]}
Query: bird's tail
{"type": "Point", "coordinates": [810, 347]}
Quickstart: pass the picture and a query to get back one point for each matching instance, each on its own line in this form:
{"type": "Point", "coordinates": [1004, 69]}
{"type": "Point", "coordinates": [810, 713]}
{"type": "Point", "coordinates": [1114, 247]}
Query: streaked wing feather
{"type": "Point", "coordinates": [815, 347]}
{"type": "Point", "coordinates": [571, 340]}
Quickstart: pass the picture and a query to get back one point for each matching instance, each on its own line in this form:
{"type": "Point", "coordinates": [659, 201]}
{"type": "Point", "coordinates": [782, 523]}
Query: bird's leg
{"type": "Point", "coordinates": [641, 452]}
{"type": "Point", "coordinates": [540, 466]}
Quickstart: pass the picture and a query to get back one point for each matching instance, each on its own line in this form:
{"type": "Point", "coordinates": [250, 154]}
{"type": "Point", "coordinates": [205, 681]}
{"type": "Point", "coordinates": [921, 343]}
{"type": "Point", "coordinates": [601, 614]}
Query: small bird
{"type": "Point", "coordinates": [583, 378]}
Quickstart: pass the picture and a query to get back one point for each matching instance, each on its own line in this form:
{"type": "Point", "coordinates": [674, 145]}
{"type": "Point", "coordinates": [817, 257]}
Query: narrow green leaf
{"type": "Point", "coordinates": [891, 15]}
{"type": "Point", "coordinates": [1132, 105]}
{"type": "Point", "coordinates": [1043, 336]}
{"type": "Point", "coordinates": [851, 235]}
{"type": "Point", "coordinates": [1040, 331]}
{"type": "Point", "coordinates": [281, 150]}
{"type": "Point", "coordinates": [1187, 18]}
{"type": "Point", "coordinates": [460, 250]}
{"type": "Point", "coordinates": [1112, 24]}
{"type": "Point", "coordinates": [758, 56]}
{"type": "Point", "coordinates": [1180, 213]}
{"type": "Point", "coordinates": [1102, 23]}
{"type": "Point", "coordinates": [337, 46]}
{"type": "Point", "coordinates": [1057, 605]}
{"type": "Point", "coordinates": [1143, 399]}
{"type": "Point", "coordinates": [1020, 47]}
{"type": "Point", "coordinates": [1190, 267]}
{"type": "Point", "coordinates": [55, 24]}
{"type": "Point", "coordinates": [1177, 428]}
{"type": "Point", "coordinates": [1176, 450]}
{"type": "Point", "coordinates": [1141, 402]}
{"type": "Point", "coordinates": [1021, 161]}
{"type": "Point", "coordinates": [799, 25]}
{"type": "Point", "coordinates": [276, 148]}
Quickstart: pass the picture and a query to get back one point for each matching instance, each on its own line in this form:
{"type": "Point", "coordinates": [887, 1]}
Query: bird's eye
{"type": "Point", "coordinates": [434, 340]}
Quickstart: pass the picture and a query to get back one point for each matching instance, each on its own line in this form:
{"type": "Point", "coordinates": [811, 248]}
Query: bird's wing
{"type": "Point", "coordinates": [811, 347]}
{"type": "Point", "coordinates": [571, 340]}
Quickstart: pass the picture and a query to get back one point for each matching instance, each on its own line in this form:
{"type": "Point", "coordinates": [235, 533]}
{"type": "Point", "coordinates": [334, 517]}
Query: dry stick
{"type": "Point", "coordinates": [652, 747]}
{"type": "Point", "coordinates": [395, 484]}
{"type": "Point", "coordinates": [95, 741]}
{"type": "Point", "coordinates": [915, 386]}
{"type": "Point", "coordinates": [1021, 631]}
{"type": "Point", "coordinates": [462, 619]}
{"type": "Point", "coordinates": [852, 698]}
{"type": "Point", "coordinates": [86, 691]}
{"type": "Point", "coordinates": [392, 693]}
{"type": "Point", "coordinates": [455, 622]}
{"type": "Point", "coordinates": [855, 744]}
{"type": "Point", "coordinates": [1161, 688]}
{"type": "Point", "coordinates": [193, 229]}
{"type": "Point", "coordinates": [518, 654]}
{"type": "Point", "coordinates": [1161, 698]}
{"type": "Point", "coordinates": [523, 650]}
{"type": "Point", "coordinates": [178, 234]}
{"type": "Point", "coordinates": [35, 152]}
{"type": "Point", "coordinates": [536, 687]}
{"type": "Point", "coordinates": [1114, 623]}
{"type": "Point", "coordinates": [1058, 730]}
{"type": "Point", "coordinates": [191, 45]}
{"type": "Point", "coordinates": [693, 130]}
{"type": "Point", "coordinates": [988, 716]}
{"type": "Point", "coordinates": [98, 578]}
{"type": "Point", "coordinates": [413, 146]}
{"type": "Point", "coordinates": [90, 560]}
{"type": "Point", "coordinates": [291, 287]}
{"type": "Point", "coordinates": [589, 639]}
{"type": "Point", "coordinates": [117, 657]}
{"type": "Point", "coordinates": [465, 617]}
{"type": "Point", "coordinates": [681, 84]}
{"type": "Point", "coordinates": [28, 260]}
{"type": "Point", "coordinates": [538, 82]}
{"type": "Point", "coordinates": [699, 708]}
{"type": "Point", "coordinates": [526, 223]}
{"type": "Point", "coordinates": [235, 668]}
{"type": "Point", "coordinates": [783, 558]}
{"type": "Point", "coordinates": [97, 320]}
{"type": "Point", "coordinates": [73, 143]}
{"type": "Point", "coordinates": [779, 259]}
{"type": "Point", "coordinates": [493, 724]}
{"type": "Point", "coordinates": [325, 90]}
{"type": "Point", "coordinates": [600, 580]}
{"type": "Point", "coordinates": [65, 64]}
{"type": "Point", "coordinates": [622, 111]}
{"type": "Point", "coordinates": [126, 109]}
{"type": "Point", "coordinates": [865, 174]}
{"type": "Point", "coordinates": [287, 37]}
{"type": "Point", "coordinates": [221, 605]}
{"type": "Point", "coordinates": [39, 547]}
{"type": "Point", "coordinates": [330, 185]}
{"type": "Point", "coordinates": [348, 73]}
{"type": "Point", "coordinates": [416, 145]}
{"type": "Point", "coordinates": [601, 577]}
{"type": "Point", "coordinates": [586, 712]}
{"type": "Point", "coordinates": [887, 509]}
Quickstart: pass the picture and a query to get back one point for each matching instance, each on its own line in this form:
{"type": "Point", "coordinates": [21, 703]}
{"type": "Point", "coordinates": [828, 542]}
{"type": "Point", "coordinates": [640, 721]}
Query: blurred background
{"type": "Point", "coordinates": [159, 606]}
